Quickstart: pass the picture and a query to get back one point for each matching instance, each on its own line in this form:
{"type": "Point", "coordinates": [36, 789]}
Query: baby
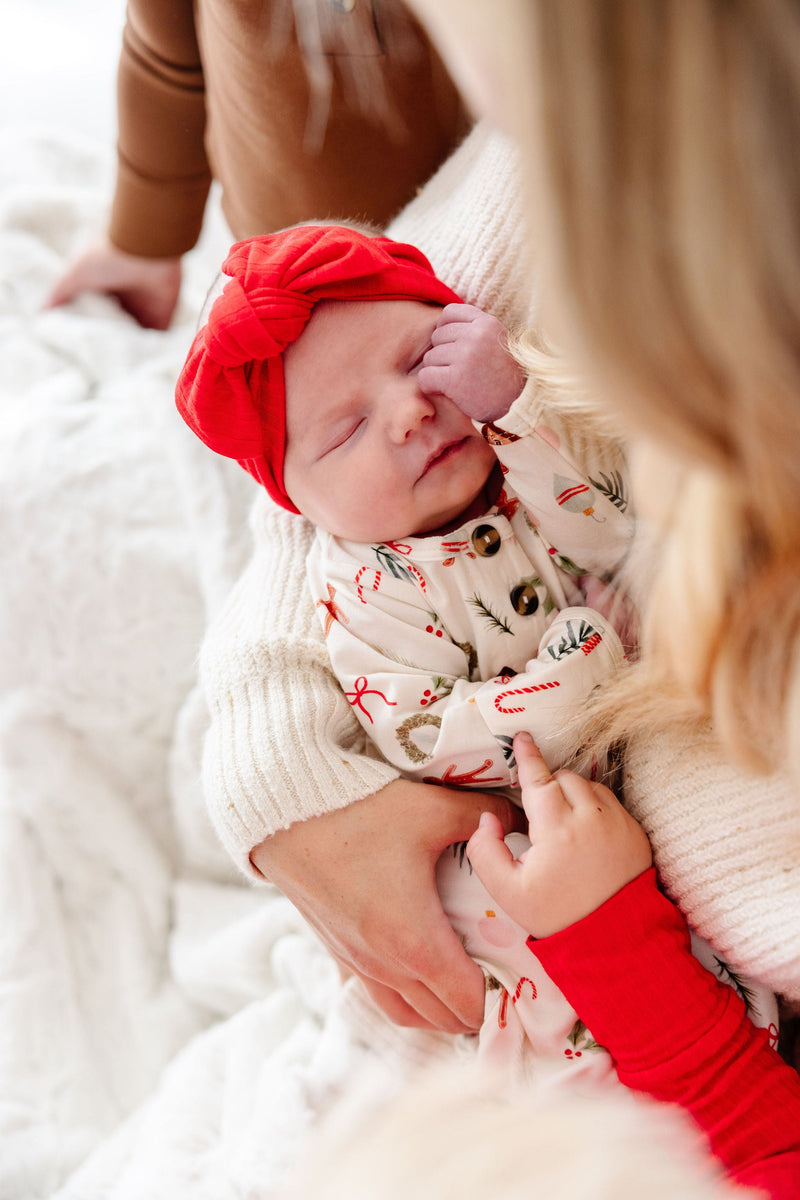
{"type": "Point", "coordinates": [456, 542]}
{"type": "Point", "coordinates": [453, 537]}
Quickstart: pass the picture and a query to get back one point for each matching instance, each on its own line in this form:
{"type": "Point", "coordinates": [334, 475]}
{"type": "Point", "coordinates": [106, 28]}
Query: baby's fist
{"type": "Point", "coordinates": [470, 363]}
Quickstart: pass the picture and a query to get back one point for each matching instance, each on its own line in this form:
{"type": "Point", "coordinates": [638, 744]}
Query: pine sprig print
{"type": "Point", "coordinates": [571, 640]}
{"type": "Point", "coordinates": [566, 564]}
{"type": "Point", "coordinates": [493, 620]}
{"type": "Point", "coordinates": [459, 851]}
{"type": "Point", "coordinates": [613, 488]}
{"type": "Point", "coordinates": [392, 563]}
{"type": "Point", "coordinates": [507, 746]}
{"type": "Point", "coordinates": [728, 975]}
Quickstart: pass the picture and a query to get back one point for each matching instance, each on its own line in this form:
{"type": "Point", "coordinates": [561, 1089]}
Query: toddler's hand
{"type": "Point", "coordinates": [469, 362]}
{"type": "Point", "coordinates": [584, 848]}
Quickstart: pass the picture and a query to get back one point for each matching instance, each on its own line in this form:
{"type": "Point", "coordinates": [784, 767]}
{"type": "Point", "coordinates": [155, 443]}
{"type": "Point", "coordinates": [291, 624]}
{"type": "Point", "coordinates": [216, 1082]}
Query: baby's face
{"type": "Point", "coordinates": [369, 456]}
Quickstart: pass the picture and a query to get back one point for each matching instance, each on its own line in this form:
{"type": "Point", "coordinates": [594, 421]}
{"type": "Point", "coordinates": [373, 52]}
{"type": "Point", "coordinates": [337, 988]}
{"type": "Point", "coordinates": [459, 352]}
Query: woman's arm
{"type": "Point", "coordinates": [163, 176]}
{"type": "Point", "coordinates": [294, 798]}
{"type": "Point", "coordinates": [744, 898]}
{"type": "Point", "coordinates": [283, 745]}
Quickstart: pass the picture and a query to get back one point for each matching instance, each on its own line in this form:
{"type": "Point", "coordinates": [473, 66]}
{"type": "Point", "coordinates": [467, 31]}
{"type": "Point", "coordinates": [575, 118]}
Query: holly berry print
{"type": "Point", "coordinates": [580, 1041]}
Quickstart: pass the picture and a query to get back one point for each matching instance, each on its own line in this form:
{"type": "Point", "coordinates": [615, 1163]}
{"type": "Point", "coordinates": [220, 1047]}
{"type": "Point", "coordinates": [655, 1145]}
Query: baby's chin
{"type": "Point", "coordinates": [441, 519]}
{"type": "Point", "coordinates": [436, 524]}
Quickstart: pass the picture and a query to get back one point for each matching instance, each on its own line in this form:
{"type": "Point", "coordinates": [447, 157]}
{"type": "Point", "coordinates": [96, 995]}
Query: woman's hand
{"type": "Point", "coordinates": [147, 288]}
{"type": "Point", "coordinates": [584, 848]}
{"type": "Point", "coordinates": [469, 362]}
{"type": "Point", "coordinates": [364, 879]}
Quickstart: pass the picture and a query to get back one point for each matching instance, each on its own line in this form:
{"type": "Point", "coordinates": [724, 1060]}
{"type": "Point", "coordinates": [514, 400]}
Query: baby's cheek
{"type": "Point", "coordinates": [497, 931]}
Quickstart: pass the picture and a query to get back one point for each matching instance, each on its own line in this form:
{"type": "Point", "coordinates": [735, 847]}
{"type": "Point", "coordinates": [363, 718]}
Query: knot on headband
{"type": "Point", "coordinates": [231, 388]}
{"type": "Point", "coordinates": [250, 328]}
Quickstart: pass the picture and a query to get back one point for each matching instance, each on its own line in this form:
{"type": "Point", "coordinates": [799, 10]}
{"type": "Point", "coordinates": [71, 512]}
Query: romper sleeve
{"type": "Point", "coordinates": [579, 502]}
{"type": "Point", "coordinates": [163, 176]}
{"type": "Point", "coordinates": [679, 1035]}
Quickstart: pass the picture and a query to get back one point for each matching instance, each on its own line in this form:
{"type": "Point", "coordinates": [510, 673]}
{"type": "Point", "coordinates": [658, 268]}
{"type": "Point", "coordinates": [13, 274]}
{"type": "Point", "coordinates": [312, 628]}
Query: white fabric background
{"type": "Point", "coordinates": [165, 1029]}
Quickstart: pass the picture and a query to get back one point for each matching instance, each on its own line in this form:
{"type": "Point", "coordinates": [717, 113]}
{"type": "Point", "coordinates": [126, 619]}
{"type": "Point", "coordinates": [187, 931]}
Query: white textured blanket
{"type": "Point", "coordinates": [166, 1030]}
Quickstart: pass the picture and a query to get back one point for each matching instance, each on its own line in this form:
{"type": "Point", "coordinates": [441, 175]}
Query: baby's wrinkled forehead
{"type": "Point", "coordinates": [346, 336]}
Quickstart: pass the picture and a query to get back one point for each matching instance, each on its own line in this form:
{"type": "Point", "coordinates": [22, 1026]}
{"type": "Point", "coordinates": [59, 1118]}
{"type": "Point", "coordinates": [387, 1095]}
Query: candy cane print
{"type": "Point", "coordinates": [502, 1016]}
{"type": "Point", "coordinates": [534, 687]}
{"type": "Point", "coordinates": [376, 582]}
{"type": "Point", "coordinates": [420, 578]}
{"type": "Point", "coordinates": [520, 985]}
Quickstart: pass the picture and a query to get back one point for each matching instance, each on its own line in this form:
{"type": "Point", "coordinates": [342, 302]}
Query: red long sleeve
{"type": "Point", "coordinates": [679, 1035]}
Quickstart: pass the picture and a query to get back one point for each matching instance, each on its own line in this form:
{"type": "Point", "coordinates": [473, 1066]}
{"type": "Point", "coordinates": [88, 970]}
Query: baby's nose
{"type": "Point", "coordinates": [409, 408]}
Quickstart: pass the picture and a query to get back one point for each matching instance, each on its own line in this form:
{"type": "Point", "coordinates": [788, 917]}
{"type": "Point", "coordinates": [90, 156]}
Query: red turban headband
{"type": "Point", "coordinates": [231, 389]}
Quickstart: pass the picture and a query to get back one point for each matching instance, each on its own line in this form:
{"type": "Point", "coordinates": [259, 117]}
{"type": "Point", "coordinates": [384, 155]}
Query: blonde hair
{"type": "Point", "coordinates": [661, 142]}
{"type": "Point", "coordinates": [455, 1132]}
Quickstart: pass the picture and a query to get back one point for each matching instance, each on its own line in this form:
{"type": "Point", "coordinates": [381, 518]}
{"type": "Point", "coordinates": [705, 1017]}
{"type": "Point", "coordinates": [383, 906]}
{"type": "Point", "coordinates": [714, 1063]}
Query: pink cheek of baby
{"type": "Point", "coordinates": [496, 931]}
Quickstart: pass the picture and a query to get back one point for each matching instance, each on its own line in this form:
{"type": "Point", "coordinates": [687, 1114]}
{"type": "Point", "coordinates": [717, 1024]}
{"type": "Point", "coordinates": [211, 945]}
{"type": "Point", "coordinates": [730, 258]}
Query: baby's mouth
{"type": "Point", "coordinates": [442, 455]}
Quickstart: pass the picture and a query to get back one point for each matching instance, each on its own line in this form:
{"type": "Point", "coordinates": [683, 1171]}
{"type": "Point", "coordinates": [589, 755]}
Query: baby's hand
{"type": "Point", "coordinates": [616, 607]}
{"type": "Point", "coordinates": [469, 362]}
{"type": "Point", "coordinates": [584, 848]}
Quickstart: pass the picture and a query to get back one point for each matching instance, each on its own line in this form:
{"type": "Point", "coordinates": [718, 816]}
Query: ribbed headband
{"type": "Point", "coordinates": [231, 388]}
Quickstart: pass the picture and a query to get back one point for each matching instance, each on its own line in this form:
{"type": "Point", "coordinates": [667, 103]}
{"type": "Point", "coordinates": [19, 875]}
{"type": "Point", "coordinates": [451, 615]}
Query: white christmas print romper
{"type": "Point", "coordinates": [446, 646]}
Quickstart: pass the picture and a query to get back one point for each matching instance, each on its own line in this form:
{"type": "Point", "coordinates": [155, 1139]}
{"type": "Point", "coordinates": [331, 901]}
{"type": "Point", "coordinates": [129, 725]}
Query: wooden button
{"type": "Point", "coordinates": [485, 540]}
{"type": "Point", "coordinates": [524, 599]}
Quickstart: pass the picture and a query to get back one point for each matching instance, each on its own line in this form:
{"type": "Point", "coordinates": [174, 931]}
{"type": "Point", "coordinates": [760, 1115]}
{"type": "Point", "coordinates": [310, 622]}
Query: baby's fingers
{"type": "Point", "coordinates": [436, 380]}
{"type": "Point", "coordinates": [451, 316]}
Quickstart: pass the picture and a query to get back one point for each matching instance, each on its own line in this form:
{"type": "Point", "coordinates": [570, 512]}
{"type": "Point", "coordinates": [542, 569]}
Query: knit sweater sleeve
{"type": "Point", "coordinates": [679, 1035]}
{"type": "Point", "coordinates": [725, 844]}
{"type": "Point", "coordinates": [283, 744]}
{"type": "Point", "coordinates": [163, 176]}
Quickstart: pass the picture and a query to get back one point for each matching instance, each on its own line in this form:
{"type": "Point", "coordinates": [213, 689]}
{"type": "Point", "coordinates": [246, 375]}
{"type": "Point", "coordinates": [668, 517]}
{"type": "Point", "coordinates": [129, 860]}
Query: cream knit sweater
{"type": "Point", "coordinates": [283, 744]}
